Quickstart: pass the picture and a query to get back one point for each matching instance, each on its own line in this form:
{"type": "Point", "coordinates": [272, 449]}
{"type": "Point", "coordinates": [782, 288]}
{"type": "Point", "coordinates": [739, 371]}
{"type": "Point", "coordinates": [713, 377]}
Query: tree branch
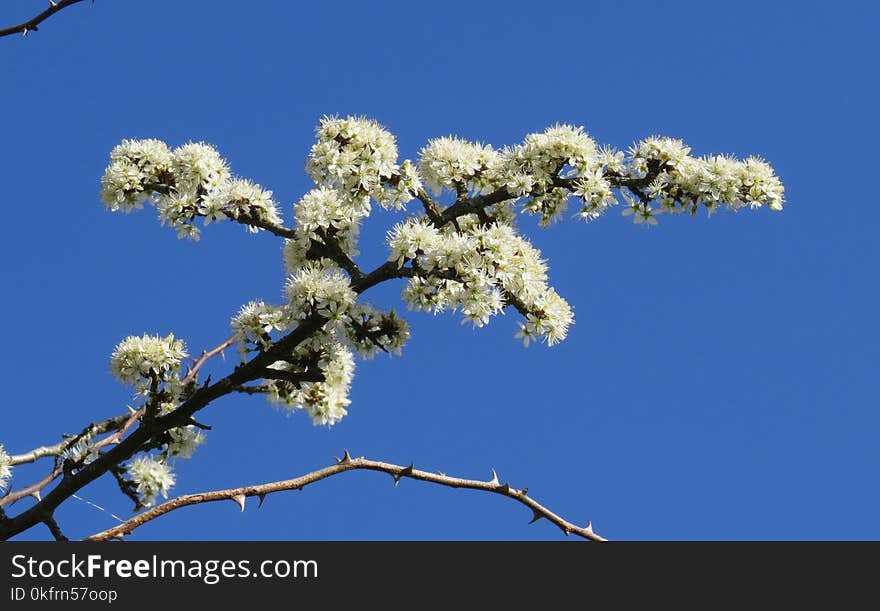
{"type": "Point", "coordinates": [95, 428]}
{"type": "Point", "coordinates": [31, 24]}
{"type": "Point", "coordinates": [347, 463]}
{"type": "Point", "coordinates": [32, 490]}
{"type": "Point", "coordinates": [279, 230]}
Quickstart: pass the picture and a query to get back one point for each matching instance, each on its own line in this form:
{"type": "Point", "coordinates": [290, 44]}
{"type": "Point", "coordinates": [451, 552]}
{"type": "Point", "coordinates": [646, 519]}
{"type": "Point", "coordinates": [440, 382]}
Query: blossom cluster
{"type": "Point", "coordinates": [479, 269]}
{"type": "Point", "coordinates": [82, 452]}
{"type": "Point", "coordinates": [5, 468]}
{"type": "Point", "coordinates": [254, 324]}
{"type": "Point", "coordinates": [680, 182]}
{"type": "Point", "coordinates": [316, 289]}
{"type": "Point", "coordinates": [358, 157]}
{"type": "Point", "coordinates": [189, 182]}
{"type": "Point", "coordinates": [454, 163]}
{"type": "Point", "coordinates": [548, 168]}
{"type": "Point", "coordinates": [325, 400]}
{"type": "Point", "coordinates": [316, 376]}
{"type": "Point", "coordinates": [137, 359]}
{"type": "Point", "coordinates": [473, 260]}
{"type": "Point", "coordinates": [184, 441]}
{"type": "Point", "coordinates": [151, 477]}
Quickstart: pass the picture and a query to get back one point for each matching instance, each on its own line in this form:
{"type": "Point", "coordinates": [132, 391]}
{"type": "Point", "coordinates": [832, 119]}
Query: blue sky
{"type": "Point", "coordinates": [719, 382]}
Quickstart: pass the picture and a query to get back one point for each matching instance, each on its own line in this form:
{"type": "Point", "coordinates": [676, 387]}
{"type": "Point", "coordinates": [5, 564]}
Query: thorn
{"type": "Point", "coordinates": [24, 32]}
{"type": "Point", "coordinates": [36, 494]}
{"type": "Point", "coordinates": [346, 458]}
{"type": "Point", "coordinates": [566, 530]}
{"type": "Point", "coordinates": [494, 480]}
{"type": "Point", "coordinates": [589, 528]}
{"type": "Point", "coordinates": [504, 488]}
{"type": "Point", "coordinates": [53, 3]}
{"type": "Point", "coordinates": [406, 471]}
{"type": "Point", "coordinates": [120, 537]}
{"type": "Point", "coordinates": [535, 516]}
{"type": "Point", "coordinates": [131, 409]}
{"type": "Point", "coordinates": [262, 498]}
{"type": "Point", "coordinates": [239, 498]}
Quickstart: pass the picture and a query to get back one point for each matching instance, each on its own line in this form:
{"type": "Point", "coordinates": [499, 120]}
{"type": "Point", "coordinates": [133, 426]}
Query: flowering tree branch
{"type": "Point", "coordinates": [31, 24]}
{"type": "Point", "coordinates": [347, 463]}
{"type": "Point", "coordinates": [467, 255]}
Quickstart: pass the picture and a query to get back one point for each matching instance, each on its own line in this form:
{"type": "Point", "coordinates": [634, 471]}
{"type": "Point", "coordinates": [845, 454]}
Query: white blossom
{"type": "Point", "coordinates": [136, 358]}
{"type": "Point", "coordinates": [544, 155]}
{"type": "Point", "coordinates": [683, 183]}
{"type": "Point", "coordinates": [152, 478]}
{"type": "Point", "coordinates": [255, 322]}
{"type": "Point", "coordinates": [326, 400]}
{"type": "Point", "coordinates": [450, 162]}
{"type": "Point", "coordinates": [5, 468]}
{"type": "Point", "coordinates": [82, 452]}
{"type": "Point", "coordinates": [641, 213]}
{"type": "Point", "coordinates": [239, 198]}
{"type": "Point", "coordinates": [184, 440]}
{"type": "Point", "coordinates": [354, 155]}
{"type": "Point", "coordinates": [315, 289]}
{"type": "Point", "coordinates": [324, 213]}
{"type": "Point", "coordinates": [135, 165]}
{"type": "Point", "coordinates": [595, 192]}
{"type": "Point", "coordinates": [411, 238]}
{"type": "Point", "coordinates": [198, 167]}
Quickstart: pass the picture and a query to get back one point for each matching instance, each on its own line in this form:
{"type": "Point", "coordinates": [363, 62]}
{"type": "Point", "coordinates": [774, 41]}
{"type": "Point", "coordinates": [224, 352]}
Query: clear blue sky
{"type": "Point", "coordinates": [719, 382]}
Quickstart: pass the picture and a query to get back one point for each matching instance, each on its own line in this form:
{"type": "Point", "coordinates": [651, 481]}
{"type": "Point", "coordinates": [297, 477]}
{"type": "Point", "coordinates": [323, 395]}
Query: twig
{"type": "Point", "coordinates": [54, 528]}
{"type": "Point", "coordinates": [194, 370]}
{"type": "Point", "coordinates": [32, 490]}
{"type": "Point", "coordinates": [31, 24]}
{"type": "Point", "coordinates": [95, 428]}
{"type": "Point", "coordinates": [347, 463]}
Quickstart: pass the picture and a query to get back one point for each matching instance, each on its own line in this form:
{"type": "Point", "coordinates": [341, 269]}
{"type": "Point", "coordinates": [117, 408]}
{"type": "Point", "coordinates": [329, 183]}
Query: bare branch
{"type": "Point", "coordinates": [203, 358]}
{"type": "Point", "coordinates": [347, 463]}
{"type": "Point", "coordinates": [32, 490]}
{"type": "Point", "coordinates": [31, 24]}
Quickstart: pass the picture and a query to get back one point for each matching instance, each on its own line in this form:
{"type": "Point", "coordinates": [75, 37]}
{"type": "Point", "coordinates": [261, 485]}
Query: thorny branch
{"type": "Point", "coordinates": [31, 24]}
{"type": "Point", "coordinates": [347, 463]}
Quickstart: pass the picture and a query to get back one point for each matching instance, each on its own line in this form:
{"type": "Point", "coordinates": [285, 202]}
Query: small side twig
{"type": "Point", "coordinates": [54, 528]}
